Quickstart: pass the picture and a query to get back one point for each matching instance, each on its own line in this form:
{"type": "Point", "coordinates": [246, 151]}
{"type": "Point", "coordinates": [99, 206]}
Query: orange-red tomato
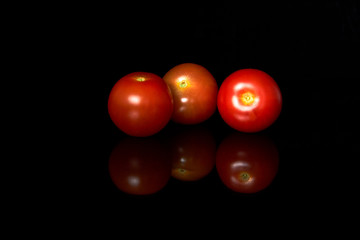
{"type": "Point", "coordinates": [249, 100]}
{"type": "Point", "coordinates": [139, 166]}
{"type": "Point", "coordinates": [194, 90]}
{"type": "Point", "coordinates": [140, 104]}
{"type": "Point", "coordinates": [192, 154]}
{"type": "Point", "coordinates": [247, 163]}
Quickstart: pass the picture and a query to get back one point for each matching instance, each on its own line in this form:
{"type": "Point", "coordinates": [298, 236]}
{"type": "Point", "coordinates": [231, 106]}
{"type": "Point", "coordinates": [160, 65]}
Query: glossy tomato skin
{"type": "Point", "coordinates": [139, 166]}
{"type": "Point", "coordinates": [194, 90]}
{"type": "Point", "coordinates": [192, 153]}
{"type": "Point", "coordinates": [140, 104]}
{"type": "Point", "coordinates": [247, 163]}
{"type": "Point", "coordinates": [249, 100]}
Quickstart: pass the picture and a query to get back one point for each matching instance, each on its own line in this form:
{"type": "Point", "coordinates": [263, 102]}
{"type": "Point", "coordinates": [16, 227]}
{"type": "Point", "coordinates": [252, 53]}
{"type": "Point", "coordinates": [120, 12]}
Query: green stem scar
{"type": "Point", "coordinates": [183, 84]}
{"type": "Point", "coordinates": [244, 176]}
{"type": "Point", "coordinates": [140, 79]}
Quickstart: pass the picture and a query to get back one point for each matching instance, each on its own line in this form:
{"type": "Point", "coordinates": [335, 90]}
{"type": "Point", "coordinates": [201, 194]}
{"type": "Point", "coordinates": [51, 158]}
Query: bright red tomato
{"type": "Point", "coordinates": [249, 100]}
{"type": "Point", "coordinates": [139, 166]}
{"type": "Point", "coordinates": [247, 163]}
{"type": "Point", "coordinates": [192, 154]}
{"type": "Point", "coordinates": [194, 90]}
{"type": "Point", "coordinates": [140, 104]}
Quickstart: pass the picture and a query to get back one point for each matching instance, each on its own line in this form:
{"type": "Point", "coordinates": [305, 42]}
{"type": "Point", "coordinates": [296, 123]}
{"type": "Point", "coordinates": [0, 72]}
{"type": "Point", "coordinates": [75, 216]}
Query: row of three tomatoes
{"type": "Point", "coordinates": [141, 104]}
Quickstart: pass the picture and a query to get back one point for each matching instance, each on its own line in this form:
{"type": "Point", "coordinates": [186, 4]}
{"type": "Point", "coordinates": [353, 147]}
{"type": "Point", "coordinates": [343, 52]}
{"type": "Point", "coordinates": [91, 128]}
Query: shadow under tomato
{"type": "Point", "coordinates": [139, 166]}
{"type": "Point", "coordinates": [193, 151]}
{"type": "Point", "coordinates": [247, 163]}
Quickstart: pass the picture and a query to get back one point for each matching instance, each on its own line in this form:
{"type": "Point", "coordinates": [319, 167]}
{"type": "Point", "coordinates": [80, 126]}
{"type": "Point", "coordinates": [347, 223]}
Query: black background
{"type": "Point", "coordinates": [310, 49]}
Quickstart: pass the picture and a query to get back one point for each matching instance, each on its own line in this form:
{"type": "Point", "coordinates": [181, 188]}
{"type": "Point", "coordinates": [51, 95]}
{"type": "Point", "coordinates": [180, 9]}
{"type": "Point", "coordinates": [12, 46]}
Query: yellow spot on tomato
{"type": "Point", "coordinates": [247, 98]}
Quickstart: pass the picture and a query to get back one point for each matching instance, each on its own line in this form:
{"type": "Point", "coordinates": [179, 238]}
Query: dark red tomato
{"type": "Point", "coordinates": [192, 154]}
{"type": "Point", "coordinates": [249, 100]}
{"type": "Point", "coordinates": [140, 104]}
{"type": "Point", "coordinates": [247, 163]}
{"type": "Point", "coordinates": [194, 90]}
{"type": "Point", "coordinates": [139, 166]}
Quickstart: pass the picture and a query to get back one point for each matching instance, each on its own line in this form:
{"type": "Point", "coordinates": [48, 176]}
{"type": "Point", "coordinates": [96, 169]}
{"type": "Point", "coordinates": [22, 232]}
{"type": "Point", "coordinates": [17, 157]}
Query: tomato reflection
{"type": "Point", "coordinates": [193, 154]}
{"type": "Point", "coordinates": [139, 166]}
{"type": "Point", "coordinates": [247, 163]}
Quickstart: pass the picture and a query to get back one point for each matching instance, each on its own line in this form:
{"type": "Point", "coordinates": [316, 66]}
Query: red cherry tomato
{"type": "Point", "coordinates": [249, 100]}
{"type": "Point", "coordinates": [194, 90]}
{"type": "Point", "coordinates": [247, 163]}
{"type": "Point", "coordinates": [139, 166]}
{"type": "Point", "coordinates": [192, 154]}
{"type": "Point", "coordinates": [140, 104]}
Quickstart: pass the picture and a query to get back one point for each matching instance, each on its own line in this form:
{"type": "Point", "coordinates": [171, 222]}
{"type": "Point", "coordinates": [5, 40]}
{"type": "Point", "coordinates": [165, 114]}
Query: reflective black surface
{"type": "Point", "coordinates": [142, 166]}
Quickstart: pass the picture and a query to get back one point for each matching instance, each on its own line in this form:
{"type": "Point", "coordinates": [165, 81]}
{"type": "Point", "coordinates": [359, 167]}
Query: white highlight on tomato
{"type": "Point", "coordinates": [134, 99]}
